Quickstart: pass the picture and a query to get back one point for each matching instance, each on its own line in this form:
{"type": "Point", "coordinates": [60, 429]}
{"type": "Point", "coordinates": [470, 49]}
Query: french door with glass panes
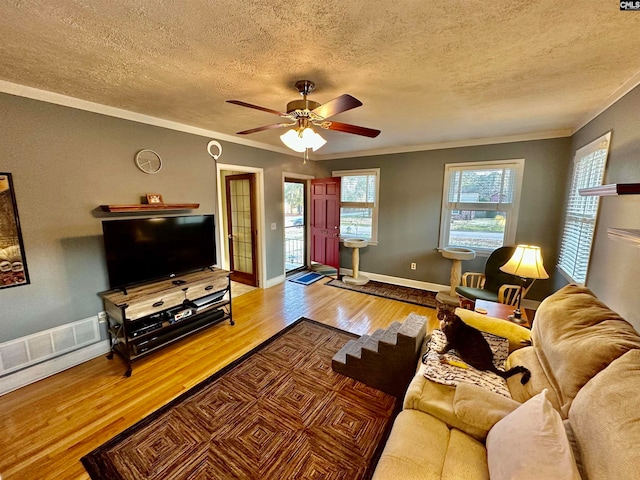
{"type": "Point", "coordinates": [241, 225]}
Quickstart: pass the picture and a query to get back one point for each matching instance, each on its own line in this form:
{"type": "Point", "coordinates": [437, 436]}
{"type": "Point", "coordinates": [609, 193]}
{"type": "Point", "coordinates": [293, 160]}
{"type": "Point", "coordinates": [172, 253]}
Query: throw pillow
{"type": "Point", "coordinates": [531, 443]}
{"type": "Point", "coordinates": [517, 335]}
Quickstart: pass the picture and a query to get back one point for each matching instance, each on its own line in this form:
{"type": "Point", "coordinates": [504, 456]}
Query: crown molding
{"type": "Point", "coordinates": [85, 105]}
{"type": "Point", "coordinates": [79, 104]}
{"type": "Point", "coordinates": [631, 83]}
{"type": "Point", "coordinates": [560, 133]}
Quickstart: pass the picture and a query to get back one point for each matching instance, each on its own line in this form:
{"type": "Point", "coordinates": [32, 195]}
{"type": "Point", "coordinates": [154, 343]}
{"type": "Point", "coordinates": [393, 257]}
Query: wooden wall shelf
{"type": "Point", "coordinates": [143, 207]}
{"type": "Point", "coordinates": [612, 189]}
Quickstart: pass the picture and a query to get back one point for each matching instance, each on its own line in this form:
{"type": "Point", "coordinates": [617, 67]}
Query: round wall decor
{"type": "Point", "coordinates": [148, 161]}
{"type": "Point", "coordinates": [211, 146]}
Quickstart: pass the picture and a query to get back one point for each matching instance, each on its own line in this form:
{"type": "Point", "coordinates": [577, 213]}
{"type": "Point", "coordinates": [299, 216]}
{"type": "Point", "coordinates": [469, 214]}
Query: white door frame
{"type": "Point", "coordinates": [261, 248]}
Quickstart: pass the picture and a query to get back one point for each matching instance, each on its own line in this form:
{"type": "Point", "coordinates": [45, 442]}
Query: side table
{"type": "Point", "coordinates": [502, 311]}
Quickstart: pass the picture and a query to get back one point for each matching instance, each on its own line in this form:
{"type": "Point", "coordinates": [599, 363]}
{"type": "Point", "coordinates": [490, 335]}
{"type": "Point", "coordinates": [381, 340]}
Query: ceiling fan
{"type": "Point", "coordinates": [302, 114]}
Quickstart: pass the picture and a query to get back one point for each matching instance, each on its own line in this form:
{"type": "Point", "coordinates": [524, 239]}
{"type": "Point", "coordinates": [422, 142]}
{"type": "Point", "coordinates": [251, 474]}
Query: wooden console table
{"type": "Point", "coordinates": [147, 317]}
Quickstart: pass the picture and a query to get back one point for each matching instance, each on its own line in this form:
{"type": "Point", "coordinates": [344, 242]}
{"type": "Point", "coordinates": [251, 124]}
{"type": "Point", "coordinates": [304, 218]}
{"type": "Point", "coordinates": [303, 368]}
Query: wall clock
{"type": "Point", "coordinates": [148, 161]}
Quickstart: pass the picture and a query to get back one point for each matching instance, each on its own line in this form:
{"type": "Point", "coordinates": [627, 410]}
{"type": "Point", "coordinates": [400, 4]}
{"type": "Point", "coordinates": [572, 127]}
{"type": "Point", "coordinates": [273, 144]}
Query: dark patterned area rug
{"type": "Point", "coordinates": [279, 412]}
{"type": "Point", "coordinates": [416, 296]}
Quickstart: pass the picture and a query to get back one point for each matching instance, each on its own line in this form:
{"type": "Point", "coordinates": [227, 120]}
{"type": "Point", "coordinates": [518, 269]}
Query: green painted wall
{"type": "Point", "coordinates": [411, 199]}
{"type": "Point", "coordinates": [65, 163]}
{"type": "Point", "coordinates": [615, 267]}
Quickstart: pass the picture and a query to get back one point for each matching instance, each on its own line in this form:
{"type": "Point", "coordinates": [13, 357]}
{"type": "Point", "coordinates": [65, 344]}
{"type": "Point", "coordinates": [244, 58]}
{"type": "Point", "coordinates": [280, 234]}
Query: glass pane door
{"type": "Point", "coordinates": [295, 251]}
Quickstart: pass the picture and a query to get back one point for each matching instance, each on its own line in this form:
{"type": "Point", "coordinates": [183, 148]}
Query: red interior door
{"type": "Point", "coordinates": [325, 221]}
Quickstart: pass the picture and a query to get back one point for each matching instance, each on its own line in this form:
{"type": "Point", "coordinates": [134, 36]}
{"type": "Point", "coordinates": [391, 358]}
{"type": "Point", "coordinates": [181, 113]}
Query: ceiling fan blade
{"type": "Point", "coordinates": [337, 105]}
{"type": "Point", "coordinates": [266, 127]}
{"type": "Point", "coordinates": [346, 128]}
{"type": "Point", "coordinates": [257, 107]}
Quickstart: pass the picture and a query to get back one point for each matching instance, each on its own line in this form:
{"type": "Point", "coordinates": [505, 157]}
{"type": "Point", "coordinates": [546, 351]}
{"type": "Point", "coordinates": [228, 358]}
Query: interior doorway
{"type": "Point", "coordinates": [242, 227]}
{"type": "Point", "coordinates": [296, 251]}
{"type": "Point", "coordinates": [258, 261]}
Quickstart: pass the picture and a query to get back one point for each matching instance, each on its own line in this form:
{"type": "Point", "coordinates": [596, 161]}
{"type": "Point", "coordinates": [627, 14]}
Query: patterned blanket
{"type": "Point", "coordinates": [453, 370]}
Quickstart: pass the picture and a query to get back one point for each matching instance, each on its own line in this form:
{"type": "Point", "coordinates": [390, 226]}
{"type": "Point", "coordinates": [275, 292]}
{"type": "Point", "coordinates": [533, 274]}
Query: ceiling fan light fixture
{"type": "Point", "coordinates": [299, 141]}
{"type": "Point", "coordinates": [292, 140]}
{"type": "Point", "coordinates": [312, 139]}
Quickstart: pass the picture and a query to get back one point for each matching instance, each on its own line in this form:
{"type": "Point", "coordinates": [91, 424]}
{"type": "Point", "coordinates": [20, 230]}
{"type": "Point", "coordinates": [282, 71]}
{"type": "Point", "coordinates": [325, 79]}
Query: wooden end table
{"type": "Point", "coordinates": [502, 311]}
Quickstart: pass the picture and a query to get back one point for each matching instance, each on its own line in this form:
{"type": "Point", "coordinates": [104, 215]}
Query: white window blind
{"type": "Point", "coordinates": [480, 204]}
{"type": "Point", "coordinates": [582, 211]}
{"type": "Point", "coordinates": [359, 203]}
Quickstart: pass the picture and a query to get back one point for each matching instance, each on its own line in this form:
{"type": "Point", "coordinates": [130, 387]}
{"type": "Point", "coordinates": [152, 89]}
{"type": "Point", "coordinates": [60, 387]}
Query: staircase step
{"type": "Point", "coordinates": [387, 358]}
{"type": "Point", "coordinates": [350, 348]}
{"type": "Point", "coordinates": [378, 333]}
{"type": "Point", "coordinates": [391, 333]}
{"type": "Point", "coordinates": [413, 325]}
{"type": "Point", "coordinates": [371, 344]}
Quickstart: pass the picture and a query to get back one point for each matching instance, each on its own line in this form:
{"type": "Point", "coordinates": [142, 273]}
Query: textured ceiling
{"type": "Point", "coordinates": [427, 71]}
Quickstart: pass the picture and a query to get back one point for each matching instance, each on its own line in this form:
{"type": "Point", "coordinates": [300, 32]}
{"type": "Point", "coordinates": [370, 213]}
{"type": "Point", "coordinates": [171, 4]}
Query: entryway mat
{"type": "Point", "coordinates": [306, 278]}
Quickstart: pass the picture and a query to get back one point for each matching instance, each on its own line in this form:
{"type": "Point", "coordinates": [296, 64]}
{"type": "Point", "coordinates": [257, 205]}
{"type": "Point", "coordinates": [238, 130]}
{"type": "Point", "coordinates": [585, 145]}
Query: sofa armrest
{"type": "Point", "coordinates": [481, 408]}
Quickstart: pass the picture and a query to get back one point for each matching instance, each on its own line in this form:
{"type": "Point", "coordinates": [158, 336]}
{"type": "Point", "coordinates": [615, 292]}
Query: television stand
{"type": "Point", "coordinates": [144, 318]}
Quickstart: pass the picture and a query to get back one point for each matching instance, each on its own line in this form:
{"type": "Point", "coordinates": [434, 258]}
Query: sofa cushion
{"type": "Point", "coordinates": [437, 400]}
{"type": "Point", "coordinates": [466, 458]}
{"type": "Point", "coordinates": [527, 358]}
{"type": "Point", "coordinates": [479, 407]}
{"type": "Point", "coordinates": [530, 443]}
{"type": "Point", "coordinates": [421, 447]}
{"type": "Point", "coordinates": [605, 420]}
{"type": "Point", "coordinates": [517, 335]}
{"type": "Point", "coordinates": [575, 336]}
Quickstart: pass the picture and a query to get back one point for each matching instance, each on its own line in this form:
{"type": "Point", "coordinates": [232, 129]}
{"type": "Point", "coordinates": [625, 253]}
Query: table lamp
{"type": "Point", "coordinates": [526, 262]}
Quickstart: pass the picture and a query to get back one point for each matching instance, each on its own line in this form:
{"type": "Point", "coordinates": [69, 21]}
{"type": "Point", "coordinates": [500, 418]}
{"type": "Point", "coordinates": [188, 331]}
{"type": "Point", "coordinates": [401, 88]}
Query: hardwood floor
{"type": "Point", "coordinates": [46, 427]}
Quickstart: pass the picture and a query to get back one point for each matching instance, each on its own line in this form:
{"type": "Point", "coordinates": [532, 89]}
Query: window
{"type": "Point", "coordinates": [359, 204]}
{"type": "Point", "coordinates": [589, 163]}
{"type": "Point", "coordinates": [480, 204]}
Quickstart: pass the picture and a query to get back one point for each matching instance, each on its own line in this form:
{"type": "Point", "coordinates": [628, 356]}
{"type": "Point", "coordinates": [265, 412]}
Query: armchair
{"type": "Point", "coordinates": [493, 285]}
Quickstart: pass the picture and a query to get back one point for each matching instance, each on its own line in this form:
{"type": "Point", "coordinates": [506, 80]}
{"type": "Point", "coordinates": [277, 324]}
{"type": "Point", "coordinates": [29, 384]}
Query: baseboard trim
{"type": "Point", "coordinates": [272, 282]}
{"type": "Point", "coordinates": [45, 369]}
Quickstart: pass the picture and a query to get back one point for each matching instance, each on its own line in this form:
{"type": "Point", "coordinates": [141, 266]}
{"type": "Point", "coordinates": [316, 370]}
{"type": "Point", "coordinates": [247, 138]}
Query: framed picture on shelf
{"type": "Point", "coordinates": [154, 198]}
{"type": "Point", "coordinates": [13, 263]}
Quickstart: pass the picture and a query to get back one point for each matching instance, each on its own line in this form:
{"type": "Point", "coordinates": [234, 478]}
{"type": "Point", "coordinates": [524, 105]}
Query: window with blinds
{"type": "Point", "coordinates": [589, 165]}
{"type": "Point", "coordinates": [480, 204]}
{"type": "Point", "coordinates": [359, 203]}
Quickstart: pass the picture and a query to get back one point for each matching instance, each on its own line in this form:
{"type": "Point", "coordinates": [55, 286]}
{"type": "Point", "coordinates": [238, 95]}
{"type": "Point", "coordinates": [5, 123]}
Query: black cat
{"type": "Point", "coordinates": [474, 349]}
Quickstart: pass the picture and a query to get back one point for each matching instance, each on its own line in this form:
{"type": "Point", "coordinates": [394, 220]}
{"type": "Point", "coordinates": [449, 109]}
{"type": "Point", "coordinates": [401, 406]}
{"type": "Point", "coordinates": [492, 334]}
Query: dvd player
{"type": "Point", "coordinates": [203, 302]}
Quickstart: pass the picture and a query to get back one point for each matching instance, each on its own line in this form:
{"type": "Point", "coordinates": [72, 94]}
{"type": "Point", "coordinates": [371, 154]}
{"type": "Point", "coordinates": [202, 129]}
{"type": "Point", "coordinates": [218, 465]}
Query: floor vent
{"type": "Point", "coordinates": [26, 351]}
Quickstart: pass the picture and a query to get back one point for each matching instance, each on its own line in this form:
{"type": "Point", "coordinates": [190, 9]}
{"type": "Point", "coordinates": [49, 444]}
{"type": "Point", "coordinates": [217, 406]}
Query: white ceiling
{"type": "Point", "coordinates": [429, 72]}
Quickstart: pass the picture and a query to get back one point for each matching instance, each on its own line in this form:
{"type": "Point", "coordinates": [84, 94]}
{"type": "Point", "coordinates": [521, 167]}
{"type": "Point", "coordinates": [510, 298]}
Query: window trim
{"type": "Point", "coordinates": [512, 223]}
{"type": "Point", "coordinates": [573, 190]}
{"type": "Point", "coordinates": [375, 206]}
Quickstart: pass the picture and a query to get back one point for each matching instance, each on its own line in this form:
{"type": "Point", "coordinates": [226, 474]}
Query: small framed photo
{"type": "Point", "coordinates": [154, 198]}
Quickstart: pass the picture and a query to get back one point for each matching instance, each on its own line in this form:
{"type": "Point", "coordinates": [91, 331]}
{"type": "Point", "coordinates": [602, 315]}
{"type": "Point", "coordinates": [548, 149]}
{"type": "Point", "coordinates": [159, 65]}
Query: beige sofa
{"type": "Point", "coordinates": [585, 357]}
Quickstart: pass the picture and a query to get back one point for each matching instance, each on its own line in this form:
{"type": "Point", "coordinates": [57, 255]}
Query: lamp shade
{"type": "Point", "coordinates": [526, 262]}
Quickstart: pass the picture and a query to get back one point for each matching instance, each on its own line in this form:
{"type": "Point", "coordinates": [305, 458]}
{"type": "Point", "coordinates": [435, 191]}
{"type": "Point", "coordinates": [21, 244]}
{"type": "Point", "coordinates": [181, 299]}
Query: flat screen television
{"type": "Point", "coordinates": [138, 250]}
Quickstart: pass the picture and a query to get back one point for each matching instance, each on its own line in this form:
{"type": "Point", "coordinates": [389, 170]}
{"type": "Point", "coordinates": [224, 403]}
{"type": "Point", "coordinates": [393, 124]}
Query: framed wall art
{"type": "Point", "coordinates": [13, 263]}
{"type": "Point", "coordinates": [154, 198]}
